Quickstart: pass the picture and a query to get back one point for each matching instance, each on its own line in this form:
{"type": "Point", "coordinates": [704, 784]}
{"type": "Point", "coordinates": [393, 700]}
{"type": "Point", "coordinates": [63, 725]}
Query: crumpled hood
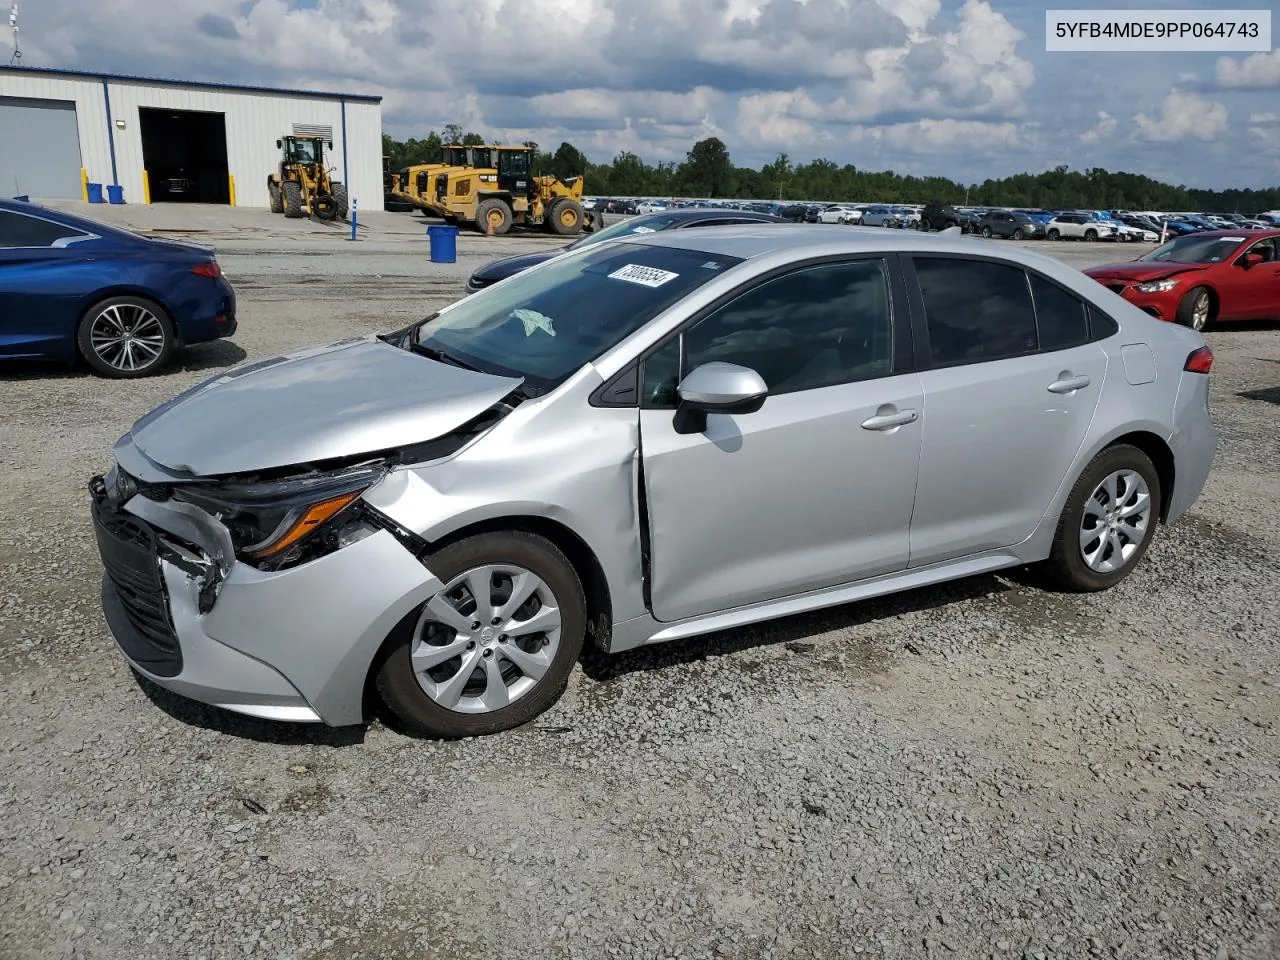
{"type": "Point", "coordinates": [319, 403]}
{"type": "Point", "coordinates": [1142, 272]}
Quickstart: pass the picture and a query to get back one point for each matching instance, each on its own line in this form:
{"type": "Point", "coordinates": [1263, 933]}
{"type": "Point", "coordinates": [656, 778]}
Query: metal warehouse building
{"type": "Point", "coordinates": [173, 141]}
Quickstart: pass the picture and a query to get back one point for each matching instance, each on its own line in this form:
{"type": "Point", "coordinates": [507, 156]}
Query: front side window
{"type": "Point", "coordinates": [815, 327]}
{"type": "Point", "coordinates": [976, 310]}
{"type": "Point", "coordinates": [19, 230]}
{"type": "Point", "coordinates": [547, 323]}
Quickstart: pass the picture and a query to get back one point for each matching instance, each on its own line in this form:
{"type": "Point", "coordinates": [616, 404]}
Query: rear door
{"type": "Point", "coordinates": [816, 487]}
{"type": "Point", "coordinates": [1010, 389]}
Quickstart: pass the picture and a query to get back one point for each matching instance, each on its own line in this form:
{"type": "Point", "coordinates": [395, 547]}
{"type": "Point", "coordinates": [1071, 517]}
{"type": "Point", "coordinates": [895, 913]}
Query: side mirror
{"type": "Point", "coordinates": [330, 144]}
{"type": "Point", "coordinates": [717, 388]}
{"type": "Point", "coordinates": [279, 144]}
{"type": "Point", "coordinates": [1251, 260]}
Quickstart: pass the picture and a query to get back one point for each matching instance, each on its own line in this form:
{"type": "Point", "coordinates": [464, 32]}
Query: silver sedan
{"type": "Point", "coordinates": [645, 440]}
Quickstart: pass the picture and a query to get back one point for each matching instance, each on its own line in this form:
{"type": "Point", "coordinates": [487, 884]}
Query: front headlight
{"type": "Point", "coordinates": [1157, 286]}
{"type": "Point", "coordinates": [276, 524]}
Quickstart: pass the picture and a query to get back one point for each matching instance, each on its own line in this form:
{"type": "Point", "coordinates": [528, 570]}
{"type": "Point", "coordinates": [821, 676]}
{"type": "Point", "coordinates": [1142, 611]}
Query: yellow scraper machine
{"type": "Point", "coordinates": [417, 181]}
{"type": "Point", "coordinates": [503, 191]}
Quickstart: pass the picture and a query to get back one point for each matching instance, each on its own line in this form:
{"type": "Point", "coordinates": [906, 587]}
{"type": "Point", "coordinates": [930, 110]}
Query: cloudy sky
{"type": "Point", "coordinates": [963, 88]}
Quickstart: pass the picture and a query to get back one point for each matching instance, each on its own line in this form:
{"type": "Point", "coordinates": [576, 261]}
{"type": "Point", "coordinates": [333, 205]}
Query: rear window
{"type": "Point", "coordinates": [547, 323]}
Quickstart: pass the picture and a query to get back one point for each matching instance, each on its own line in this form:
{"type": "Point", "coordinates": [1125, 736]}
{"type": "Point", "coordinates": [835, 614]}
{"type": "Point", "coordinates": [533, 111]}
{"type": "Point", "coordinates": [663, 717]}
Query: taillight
{"type": "Point", "coordinates": [209, 269]}
{"type": "Point", "coordinates": [1199, 361]}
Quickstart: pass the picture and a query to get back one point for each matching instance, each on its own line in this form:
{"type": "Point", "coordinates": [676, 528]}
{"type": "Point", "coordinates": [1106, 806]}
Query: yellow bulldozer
{"type": "Point", "coordinates": [417, 181]}
{"type": "Point", "coordinates": [303, 184]}
{"type": "Point", "coordinates": [493, 198]}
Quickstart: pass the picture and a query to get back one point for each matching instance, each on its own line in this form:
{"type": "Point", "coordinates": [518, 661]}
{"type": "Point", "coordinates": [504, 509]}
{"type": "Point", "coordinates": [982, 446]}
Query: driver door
{"type": "Point", "coordinates": [1254, 293]}
{"type": "Point", "coordinates": [812, 490]}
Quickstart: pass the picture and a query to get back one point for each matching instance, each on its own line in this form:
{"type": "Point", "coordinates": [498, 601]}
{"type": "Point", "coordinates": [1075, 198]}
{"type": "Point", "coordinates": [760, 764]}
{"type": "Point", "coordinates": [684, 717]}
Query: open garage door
{"type": "Point", "coordinates": [43, 162]}
{"type": "Point", "coordinates": [185, 155]}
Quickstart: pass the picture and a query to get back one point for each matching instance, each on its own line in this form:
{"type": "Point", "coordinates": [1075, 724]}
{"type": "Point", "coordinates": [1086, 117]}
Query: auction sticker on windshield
{"type": "Point", "coordinates": [646, 276]}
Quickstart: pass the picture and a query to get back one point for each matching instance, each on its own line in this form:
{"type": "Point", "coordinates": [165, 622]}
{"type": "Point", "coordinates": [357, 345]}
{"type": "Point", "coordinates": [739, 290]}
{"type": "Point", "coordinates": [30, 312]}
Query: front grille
{"type": "Point", "coordinates": [134, 588]}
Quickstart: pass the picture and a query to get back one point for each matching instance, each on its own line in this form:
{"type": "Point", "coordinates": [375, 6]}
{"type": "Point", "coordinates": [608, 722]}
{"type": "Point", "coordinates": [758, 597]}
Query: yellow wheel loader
{"type": "Point", "coordinates": [303, 186]}
{"type": "Point", "coordinates": [492, 199]}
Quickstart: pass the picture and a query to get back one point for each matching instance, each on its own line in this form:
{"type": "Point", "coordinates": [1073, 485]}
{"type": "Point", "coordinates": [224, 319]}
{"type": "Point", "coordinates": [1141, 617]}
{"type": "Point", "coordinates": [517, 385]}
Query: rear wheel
{"type": "Point", "coordinates": [126, 337]}
{"type": "Point", "coordinates": [565, 217]}
{"type": "Point", "coordinates": [495, 647]}
{"type": "Point", "coordinates": [292, 199]}
{"type": "Point", "coordinates": [1196, 308]}
{"type": "Point", "coordinates": [1108, 522]}
{"type": "Point", "coordinates": [493, 216]}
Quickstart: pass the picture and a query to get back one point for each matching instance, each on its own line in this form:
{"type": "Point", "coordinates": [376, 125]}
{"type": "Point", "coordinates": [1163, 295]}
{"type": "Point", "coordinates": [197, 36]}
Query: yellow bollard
{"type": "Point", "coordinates": [146, 187]}
{"type": "Point", "coordinates": [231, 182]}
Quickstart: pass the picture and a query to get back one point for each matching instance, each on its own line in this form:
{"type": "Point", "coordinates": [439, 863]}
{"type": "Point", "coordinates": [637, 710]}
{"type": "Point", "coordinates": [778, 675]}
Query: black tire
{"type": "Point", "coordinates": [340, 200]}
{"type": "Point", "coordinates": [292, 199]}
{"type": "Point", "coordinates": [1055, 234]}
{"type": "Point", "coordinates": [324, 208]}
{"type": "Point", "coordinates": [1017, 234]}
{"type": "Point", "coordinates": [1195, 310]}
{"type": "Point", "coordinates": [103, 358]}
{"type": "Point", "coordinates": [1066, 565]}
{"type": "Point", "coordinates": [565, 217]}
{"type": "Point", "coordinates": [493, 214]}
{"type": "Point", "coordinates": [949, 224]}
{"type": "Point", "coordinates": [986, 233]}
{"type": "Point", "coordinates": [277, 201]}
{"type": "Point", "coordinates": [421, 715]}
{"type": "Point", "coordinates": [1091, 235]}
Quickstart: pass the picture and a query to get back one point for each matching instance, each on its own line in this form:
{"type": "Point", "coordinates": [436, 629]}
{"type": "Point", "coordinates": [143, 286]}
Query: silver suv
{"type": "Point", "coordinates": [644, 440]}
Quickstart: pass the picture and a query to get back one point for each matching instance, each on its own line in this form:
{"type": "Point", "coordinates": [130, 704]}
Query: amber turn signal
{"type": "Point", "coordinates": [315, 516]}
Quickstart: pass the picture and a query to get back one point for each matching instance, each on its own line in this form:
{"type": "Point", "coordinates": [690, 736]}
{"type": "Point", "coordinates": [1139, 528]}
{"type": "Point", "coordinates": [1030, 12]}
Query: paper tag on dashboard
{"type": "Point", "coordinates": [645, 276]}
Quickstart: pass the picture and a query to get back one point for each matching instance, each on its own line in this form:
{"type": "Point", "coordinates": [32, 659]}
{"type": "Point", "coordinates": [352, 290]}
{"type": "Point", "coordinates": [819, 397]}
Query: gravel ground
{"type": "Point", "coordinates": [983, 769]}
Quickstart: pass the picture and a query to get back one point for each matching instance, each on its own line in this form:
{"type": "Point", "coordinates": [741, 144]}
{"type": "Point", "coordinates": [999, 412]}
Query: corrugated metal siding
{"type": "Point", "coordinates": [254, 122]}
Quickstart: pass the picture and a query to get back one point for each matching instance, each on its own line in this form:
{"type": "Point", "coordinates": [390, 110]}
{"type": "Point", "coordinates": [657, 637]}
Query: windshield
{"type": "Point", "coordinates": [545, 324]}
{"type": "Point", "coordinates": [625, 228]}
{"type": "Point", "coordinates": [1195, 249]}
{"type": "Point", "coordinates": [303, 151]}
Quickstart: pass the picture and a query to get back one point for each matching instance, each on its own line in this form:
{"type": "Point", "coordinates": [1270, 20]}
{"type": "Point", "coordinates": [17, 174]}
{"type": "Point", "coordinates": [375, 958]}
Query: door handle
{"type": "Point", "coordinates": [890, 421]}
{"type": "Point", "coordinates": [1069, 384]}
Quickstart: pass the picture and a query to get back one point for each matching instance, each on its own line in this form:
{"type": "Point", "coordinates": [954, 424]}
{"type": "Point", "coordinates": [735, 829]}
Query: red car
{"type": "Point", "coordinates": [1217, 275]}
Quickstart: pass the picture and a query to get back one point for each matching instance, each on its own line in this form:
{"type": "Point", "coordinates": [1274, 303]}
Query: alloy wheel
{"type": "Point", "coordinates": [1116, 521]}
{"type": "Point", "coordinates": [127, 337]}
{"type": "Point", "coordinates": [1200, 311]}
{"type": "Point", "coordinates": [486, 639]}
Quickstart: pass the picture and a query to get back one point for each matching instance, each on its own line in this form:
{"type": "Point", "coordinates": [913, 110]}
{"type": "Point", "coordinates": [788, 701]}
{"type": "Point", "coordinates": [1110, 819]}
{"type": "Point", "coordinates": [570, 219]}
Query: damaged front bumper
{"type": "Point", "coordinates": [294, 644]}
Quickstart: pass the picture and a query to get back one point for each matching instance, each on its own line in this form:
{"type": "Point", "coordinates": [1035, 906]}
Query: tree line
{"type": "Point", "coordinates": [708, 172]}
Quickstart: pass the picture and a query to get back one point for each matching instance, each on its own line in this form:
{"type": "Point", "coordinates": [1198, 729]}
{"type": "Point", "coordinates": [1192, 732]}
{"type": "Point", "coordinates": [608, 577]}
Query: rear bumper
{"type": "Point", "coordinates": [1194, 443]}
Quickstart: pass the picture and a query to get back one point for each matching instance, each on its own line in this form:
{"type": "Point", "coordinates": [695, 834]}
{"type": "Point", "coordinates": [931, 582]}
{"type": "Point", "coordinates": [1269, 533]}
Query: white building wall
{"type": "Point", "coordinates": [254, 122]}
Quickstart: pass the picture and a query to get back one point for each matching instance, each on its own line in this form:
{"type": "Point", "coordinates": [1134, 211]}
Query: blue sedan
{"type": "Point", "coordinates": [75, 290]}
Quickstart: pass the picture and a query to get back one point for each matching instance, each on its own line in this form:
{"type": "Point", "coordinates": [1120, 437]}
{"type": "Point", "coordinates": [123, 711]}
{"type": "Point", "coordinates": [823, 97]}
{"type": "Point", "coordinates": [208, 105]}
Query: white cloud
{"type": "Point", "coordinates": [937, 136]}
{"type": "Point", "coordinates": [1264, 118]}
{"type": "Point", "coordinates": [1255, 70]}
{"type": "Point", "coordinates": [1104, 128]}
{"type": "Point", "coordinates": [1183, 116]}
{"type": "Point", "coordinates": [779, 118]}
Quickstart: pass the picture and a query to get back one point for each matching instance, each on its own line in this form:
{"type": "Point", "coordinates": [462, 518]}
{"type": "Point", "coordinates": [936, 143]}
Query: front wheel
{"type": "Point", "coordinates": [1091, 235]}
{"type": "Point", "coordinates": [986, 233]}
{"type": "Point", "coordinates": [1017, 233]}
{"type": "Point", "coordinates": [495, 647]}
{"type": "Point", "coordinates": [565, 217]}
{"type": "Point", "coordinates": [1108, 522]}
{"type": "Point", "coordinates": [1195, 308]}
{"type": "Point", "coordinates": [1054, 234]}
{"type": "Point", "coordinates": [341, 201]}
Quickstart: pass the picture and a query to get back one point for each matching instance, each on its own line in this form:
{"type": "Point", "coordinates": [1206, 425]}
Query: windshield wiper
{"type": "Point", "coordinates": [439, 355]}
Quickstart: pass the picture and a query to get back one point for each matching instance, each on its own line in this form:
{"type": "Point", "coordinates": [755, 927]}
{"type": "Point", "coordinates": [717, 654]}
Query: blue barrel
{"type": "Point", "coordinates": [95, 193]}
{"type": "Point", "coordinates": [115, 194]}
{"type": "Point", "coordinates": [444, 243]}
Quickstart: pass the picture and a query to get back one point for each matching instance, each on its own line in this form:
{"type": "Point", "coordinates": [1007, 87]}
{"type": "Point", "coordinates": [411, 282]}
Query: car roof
{"type": "Point", "coordinates": [803, 240]}
{"type": "Point", "coordinates": [1241, 234]}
